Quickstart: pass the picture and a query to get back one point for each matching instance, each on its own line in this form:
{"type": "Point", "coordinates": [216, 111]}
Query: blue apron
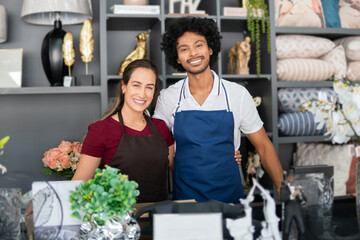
{"type": "Point", "coordinates": [205, 167]}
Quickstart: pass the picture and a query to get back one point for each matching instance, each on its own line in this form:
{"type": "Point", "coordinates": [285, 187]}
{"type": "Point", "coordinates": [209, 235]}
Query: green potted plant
{"type": "Point", "coordinates": [108, 197]}
{"type": "Point", "coordinates": [258, 20]}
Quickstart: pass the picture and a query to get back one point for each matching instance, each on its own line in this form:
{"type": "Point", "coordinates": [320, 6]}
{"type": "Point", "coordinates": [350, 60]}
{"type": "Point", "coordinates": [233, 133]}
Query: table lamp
{"type": "Point", "coordinates": [55, 12]}
{"type": "Point", "coordinates": [3, 24]}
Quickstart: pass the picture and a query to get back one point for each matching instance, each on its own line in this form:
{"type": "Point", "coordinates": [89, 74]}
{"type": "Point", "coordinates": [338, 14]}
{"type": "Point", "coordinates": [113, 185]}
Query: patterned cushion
{"type": "Point", "coordinates": [351, 46]}
{"type": "Point", "coordinates": [331, 13]}
{"type": "Point", "coordinates": [332, 155]}
{"type": "Point", "coordinates": [301, 69]}
{"type": "Point", "coordinates": [337, 58]}
{"type": "Point", "coordinates": [299, 13]}
{"type": "Point", "coordinates": [302, 46]}
{"type": "Point", "coordinates": [349, 12]}
{"type": "Point", "coordinates": [298, 124]}
{"type": "Point", "coordinates": [353, 71]}
{"type": "Point", "coordinates": [290, 98]}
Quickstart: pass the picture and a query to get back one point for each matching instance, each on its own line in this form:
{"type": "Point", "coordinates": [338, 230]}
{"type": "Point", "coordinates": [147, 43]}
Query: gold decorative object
{"type": "Point", "coordinates": [257, 101]}
{"type": "Point", "coordinates": [68, 51]}
{"type": "Point", "coordinates": [138, 53]}
{"type": "Point", "coordinates": [86, 45]}
{"type": "Point", "coordinates": [239, 56]}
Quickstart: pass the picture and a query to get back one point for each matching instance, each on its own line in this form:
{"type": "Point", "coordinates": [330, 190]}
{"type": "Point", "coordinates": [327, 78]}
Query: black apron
{"type": "Point", "coordinates": [145, 160]}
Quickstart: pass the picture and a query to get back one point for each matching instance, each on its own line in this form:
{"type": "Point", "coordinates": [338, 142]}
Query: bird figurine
{"type": "Point", "coordinates": [138, 53]}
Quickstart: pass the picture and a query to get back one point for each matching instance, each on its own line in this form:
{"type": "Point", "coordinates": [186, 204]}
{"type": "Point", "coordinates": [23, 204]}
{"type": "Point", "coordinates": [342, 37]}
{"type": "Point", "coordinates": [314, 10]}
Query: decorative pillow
{"type": "Point", "coordinates": [331, 13]}
{"type": "Point", "coordinates": [351, 46]}
{"type": "Point", "coordinates": [302, 46]}
{"type": "Point", "coordinates": [298, 124]}
{"type": "Point", "coordinates": [302, 69]}
{"type": "Point", "coordinates": [353, 71]}
{"type": "Point", "coordinates": [299, 13]}
{"type": "Point", "coordinates": [333, 155]}
{"type": "Point", "coordinates": [337, 58]}
{"type": "Point", "coordinates": [290, 98]}
{"type": "Point", "coordinates": [349, 12]}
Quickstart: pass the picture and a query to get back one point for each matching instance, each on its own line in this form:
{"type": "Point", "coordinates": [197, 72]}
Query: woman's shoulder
{"type": "Point", "coordinates": [108, 122]}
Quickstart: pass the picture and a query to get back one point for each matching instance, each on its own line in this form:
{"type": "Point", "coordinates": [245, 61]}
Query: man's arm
{"type": "Point", "coordinates": [269, 159]}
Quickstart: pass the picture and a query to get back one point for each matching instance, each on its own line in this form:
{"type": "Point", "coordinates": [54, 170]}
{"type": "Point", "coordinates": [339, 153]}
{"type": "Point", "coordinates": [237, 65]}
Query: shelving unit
{"type": "Point", "coordinates": [286, 145]}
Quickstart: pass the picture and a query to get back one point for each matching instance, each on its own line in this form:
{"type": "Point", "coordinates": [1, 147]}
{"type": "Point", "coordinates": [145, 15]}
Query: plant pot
{"type": "Point", "coordinates": [122, 228]}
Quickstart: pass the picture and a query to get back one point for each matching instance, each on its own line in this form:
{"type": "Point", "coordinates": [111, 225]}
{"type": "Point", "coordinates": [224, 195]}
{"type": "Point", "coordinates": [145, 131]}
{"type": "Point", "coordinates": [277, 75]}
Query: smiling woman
{"type": "Point", "coordinates": [126, 138]}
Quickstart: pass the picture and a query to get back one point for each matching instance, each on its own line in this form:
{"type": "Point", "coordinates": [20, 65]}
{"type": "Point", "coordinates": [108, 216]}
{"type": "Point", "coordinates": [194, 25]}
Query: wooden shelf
{"type": "Point", "coordinates": [50, 90]}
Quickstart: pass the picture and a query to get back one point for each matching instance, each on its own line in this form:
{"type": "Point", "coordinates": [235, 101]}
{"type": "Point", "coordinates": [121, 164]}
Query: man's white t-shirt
{"type": "Point", "coordinates": [241, 103]}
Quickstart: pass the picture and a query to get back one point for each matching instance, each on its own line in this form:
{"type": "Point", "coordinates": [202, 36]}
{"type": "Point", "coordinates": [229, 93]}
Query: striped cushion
{"type": "Point", "coordinates": [302, 46]}
{"type": "Point", "coordinates": [302, 69]}
{"type": "Point", "coordinates": [298, 124]}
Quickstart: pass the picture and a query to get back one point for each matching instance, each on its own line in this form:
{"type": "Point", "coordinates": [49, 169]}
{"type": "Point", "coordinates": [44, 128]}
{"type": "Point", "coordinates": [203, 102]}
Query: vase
{"type": "Point", "coordinates": [135, 2]}
{"type": "Point", "coordinates": [10, 214]}
{"type": "Point", "coordinates": [121, 228]}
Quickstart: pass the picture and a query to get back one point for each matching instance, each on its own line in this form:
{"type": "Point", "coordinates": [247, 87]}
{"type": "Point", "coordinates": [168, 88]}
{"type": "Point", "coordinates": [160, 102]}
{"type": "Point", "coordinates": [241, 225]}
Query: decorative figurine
{"type": "Point", "coordinates": [3, 141]}
{"type": "Point", "coordinates": [68, 56]}
{"type": "Point", "coordinates": [192, 5]}
{"type": "Point", "coordinates": [138, 53]}
{"type": "Point", "coordinates": [86, 48]}
{"type": "Point", "coordinates": [239, 56]}
{"type": "Point", "coordinates": [243, 229]}
{"type": "Point", "coordinates": [253, 167]}
{"type": "Point", "coordinates": [293, 199]}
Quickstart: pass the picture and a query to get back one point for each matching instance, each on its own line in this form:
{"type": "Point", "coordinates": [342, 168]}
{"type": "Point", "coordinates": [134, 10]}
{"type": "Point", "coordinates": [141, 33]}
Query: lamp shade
{"type": "Point", "coordinates": [3, 24]}
{"type": "Point", "coordinates": [43, 12]}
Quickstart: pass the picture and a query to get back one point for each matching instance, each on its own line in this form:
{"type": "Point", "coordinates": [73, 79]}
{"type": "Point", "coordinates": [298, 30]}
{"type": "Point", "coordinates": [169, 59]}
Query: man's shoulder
{"type": "Point", "coordinates": [172, 89]}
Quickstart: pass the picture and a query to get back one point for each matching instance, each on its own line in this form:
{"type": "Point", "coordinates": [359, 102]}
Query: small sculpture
{"type": "Point", "coordinates": [86, 45]}
{"type": "Point", "coordinates": [239, 56]}
{"type": "Point", "coordinates": [242, 228]}
{"type": "Point", "coordinates": [257, 101]}
{"type": "Point", "coordinates": [138, 53]}
{"type": "Point", "coordinates": [293, 198]}
{"type": "Point", "coordinates": [3, 141]}
{"type": "Point", "coordinates": [68, 51]}
{"type": "Point", "coordinates": [192, 5]}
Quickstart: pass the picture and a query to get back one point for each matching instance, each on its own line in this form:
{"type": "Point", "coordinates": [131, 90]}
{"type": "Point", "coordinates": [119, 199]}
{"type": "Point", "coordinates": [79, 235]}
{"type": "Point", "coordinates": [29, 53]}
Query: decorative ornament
{"type": "Point", "coordinates": [68, 51]}
{"type": "Point", "coordinates": [86, 45]}
{"type": "Point", "coordinates": [138, 53]}
{"type": "Point", "coordinates": [239, 56]}
{"type": "Point", "coordinates": [254, 7]}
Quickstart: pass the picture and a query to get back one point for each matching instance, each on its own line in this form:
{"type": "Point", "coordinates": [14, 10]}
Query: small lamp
{"type": "Point", "coordinates": [3, 24]}
{"type": "Point", "coordinates": [55, 12]}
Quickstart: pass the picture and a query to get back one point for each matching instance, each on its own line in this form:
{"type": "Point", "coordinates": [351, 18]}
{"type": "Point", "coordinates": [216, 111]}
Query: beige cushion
{"type": "Point", "coordinates": [337, 58]}
{"type": "Point", "coordinates": [353, 71]}
{"type": "Point", "coordinates": [302, 69]}
{"type": "Point", "coordinates": [299, 13]}
{"type": "Point", "coordinates": [302, 46]}
{"type": "Point", "coordinates": [349, 12]}
{"type": "Point", "coordinates": [351, 46]}
{"type": "Point", "coordinates": [332, 155]}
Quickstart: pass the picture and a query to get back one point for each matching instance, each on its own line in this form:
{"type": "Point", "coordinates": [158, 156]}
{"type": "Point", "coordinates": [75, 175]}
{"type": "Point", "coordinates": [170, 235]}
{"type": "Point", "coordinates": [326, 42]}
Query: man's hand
{"type": "Point", "coordinates": [237, 157]}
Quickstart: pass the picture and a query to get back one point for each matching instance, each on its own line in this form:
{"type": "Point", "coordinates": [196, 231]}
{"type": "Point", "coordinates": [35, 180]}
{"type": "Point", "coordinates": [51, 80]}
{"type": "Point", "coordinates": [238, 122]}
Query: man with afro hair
{"type": "Point", "coordinates": [207, 115]}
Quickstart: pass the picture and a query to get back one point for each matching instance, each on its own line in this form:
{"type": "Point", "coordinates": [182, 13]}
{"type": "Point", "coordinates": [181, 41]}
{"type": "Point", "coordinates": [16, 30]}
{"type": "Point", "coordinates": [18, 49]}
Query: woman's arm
{"type": "Point", "coordinates": [86, 168]}
{"type": "Point", "coordinates": [171, 157]}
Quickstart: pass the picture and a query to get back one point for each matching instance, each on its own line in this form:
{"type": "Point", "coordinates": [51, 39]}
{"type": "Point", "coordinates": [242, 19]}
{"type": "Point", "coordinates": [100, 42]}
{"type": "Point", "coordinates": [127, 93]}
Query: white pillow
{"type": "Point", "coordinates": [302, 46]}
{"type": "Point", "coordinates": [353, 71]}
{"type": "Point", "coordinates": [351, 46]}
{"type": "Point", "coordinates": [332, 155]}
{"type": "Point", "coordinates": [337, 58]}
{"type": "Point", "coordinates": [349, 15]}
{"type": "Point", "coordinates": [304, 69]}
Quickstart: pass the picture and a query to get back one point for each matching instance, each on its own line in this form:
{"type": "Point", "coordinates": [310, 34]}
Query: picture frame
{"type": "Point", "coordinates": [52, 212]}
{"type": "Point", "coordinates": [11, 61]}
{"type": "Point", "coordinates": [317, 183]}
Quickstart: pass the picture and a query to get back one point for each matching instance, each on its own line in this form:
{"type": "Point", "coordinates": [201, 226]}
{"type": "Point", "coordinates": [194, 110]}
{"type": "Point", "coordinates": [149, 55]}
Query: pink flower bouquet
{"type": "Point", "coordinates": [62, 160]}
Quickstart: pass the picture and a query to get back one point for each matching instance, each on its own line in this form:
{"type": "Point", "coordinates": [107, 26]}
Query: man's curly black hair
{"type": "Point", "coordinates": [203, 26]}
